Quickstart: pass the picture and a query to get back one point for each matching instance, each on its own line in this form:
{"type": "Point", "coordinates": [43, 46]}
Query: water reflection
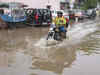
{"type": "Point", "coordinates": [17, 38]}
{"type": "Point", "coordinates": [92, 46]}
{"type": "Point", "coordinates": [56, 60]}
{"type": "Point", "coordinates": [3, 59]}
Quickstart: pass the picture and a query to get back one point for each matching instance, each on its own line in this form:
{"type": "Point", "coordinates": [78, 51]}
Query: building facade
{"type": "Point", "coordinates": [55, 4]}
{"type": "Point", "coordinates": [67, 4]}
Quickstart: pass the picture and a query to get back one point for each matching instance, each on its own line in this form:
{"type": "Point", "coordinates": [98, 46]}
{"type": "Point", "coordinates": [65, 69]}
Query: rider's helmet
{"type": "Point", "coordinates": [59, 14]}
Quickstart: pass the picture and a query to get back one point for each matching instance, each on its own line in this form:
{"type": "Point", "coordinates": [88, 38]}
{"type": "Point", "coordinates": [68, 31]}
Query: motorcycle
{"type": "Point", "coordinates": [57, 34]}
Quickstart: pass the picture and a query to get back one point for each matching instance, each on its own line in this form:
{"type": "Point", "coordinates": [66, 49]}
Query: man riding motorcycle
{"type": "Point", "coordinates": [60, 23]}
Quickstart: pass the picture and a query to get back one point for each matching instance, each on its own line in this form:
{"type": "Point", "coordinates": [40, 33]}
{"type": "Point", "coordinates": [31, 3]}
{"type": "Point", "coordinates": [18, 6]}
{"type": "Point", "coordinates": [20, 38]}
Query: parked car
{"type": "Point", "coordinates": [79, 13]}
{"type": "Point", "coordinates": [91, 13]}
{"type": "Point", "coordinates": [38, 16]}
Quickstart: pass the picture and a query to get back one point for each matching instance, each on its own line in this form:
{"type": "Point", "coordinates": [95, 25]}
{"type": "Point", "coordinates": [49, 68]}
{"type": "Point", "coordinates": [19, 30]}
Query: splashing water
{"type": "Point", "coordinates": [41, 42]}
{"type": "Point", "coordinates": [76, 34]}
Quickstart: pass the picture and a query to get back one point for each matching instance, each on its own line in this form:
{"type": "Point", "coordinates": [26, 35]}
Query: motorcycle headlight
{"type": "Point", "coordinates": [51, 29]}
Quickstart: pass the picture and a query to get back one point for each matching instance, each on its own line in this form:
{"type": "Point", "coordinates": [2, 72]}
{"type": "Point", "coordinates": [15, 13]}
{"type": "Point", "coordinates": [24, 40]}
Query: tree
{"type": "Point", "coordinates": [88, 4]}
{"type": "Point", "coordinates": [98, 1]}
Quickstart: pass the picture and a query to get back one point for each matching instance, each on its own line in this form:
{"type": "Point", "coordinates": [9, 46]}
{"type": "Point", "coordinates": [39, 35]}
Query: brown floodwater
{"type": "Point", "coordinates": [24, 51]}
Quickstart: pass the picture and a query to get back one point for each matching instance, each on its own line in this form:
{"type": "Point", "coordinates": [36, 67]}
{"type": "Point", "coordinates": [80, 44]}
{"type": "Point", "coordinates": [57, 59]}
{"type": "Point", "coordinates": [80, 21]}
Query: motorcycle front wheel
{"type": "Point", "coordinates": [57, 36]}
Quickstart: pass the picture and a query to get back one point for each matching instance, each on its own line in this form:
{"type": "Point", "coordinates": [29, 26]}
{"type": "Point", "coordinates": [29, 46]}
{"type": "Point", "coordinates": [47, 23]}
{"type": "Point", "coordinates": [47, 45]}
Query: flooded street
{"type": "Point", "coordinates": [24, 51]}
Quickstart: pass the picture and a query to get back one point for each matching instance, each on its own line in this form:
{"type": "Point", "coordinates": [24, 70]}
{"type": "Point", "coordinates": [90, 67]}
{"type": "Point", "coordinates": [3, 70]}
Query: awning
{"type": "Point", "coordinates": [4, 5]}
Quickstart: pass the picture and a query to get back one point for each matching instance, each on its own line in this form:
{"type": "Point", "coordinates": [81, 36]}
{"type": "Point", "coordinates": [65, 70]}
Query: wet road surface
{"type": "Point", "coordinates": [23, 51]}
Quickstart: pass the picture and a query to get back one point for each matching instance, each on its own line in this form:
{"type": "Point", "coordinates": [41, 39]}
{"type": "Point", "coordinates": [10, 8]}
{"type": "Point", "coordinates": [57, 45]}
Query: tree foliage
{"type": "Point", "coordinates": [88, 4]}
{"type": "Point", "coordinates": [99, 1]}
